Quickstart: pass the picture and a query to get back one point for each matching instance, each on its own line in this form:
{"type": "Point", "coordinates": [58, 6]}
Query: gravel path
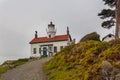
{"type": "Point", "coordinates": [29, 71]}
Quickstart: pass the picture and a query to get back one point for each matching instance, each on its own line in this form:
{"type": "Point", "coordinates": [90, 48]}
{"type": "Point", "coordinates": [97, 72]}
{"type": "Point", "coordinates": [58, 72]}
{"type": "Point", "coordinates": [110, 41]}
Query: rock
{"type": "Point", "coordinates": [71, 59]}
{"type": "Point", "coordinates": [118, 76]}
{"type": "Point", "coordinates": [10, 63]}
{"type": "Point", "coordinates": [77, 65]}
{"type": "Point", "coordinates": [109, 72]}
{"type": "Point", "coordinates": [11, 66]}
{"type": "Point", "coordinates": [106, 65]}
{"type": "Point", "coordinates": [78, 48]}
{"type": "Point", "coordinates": [115, 56]}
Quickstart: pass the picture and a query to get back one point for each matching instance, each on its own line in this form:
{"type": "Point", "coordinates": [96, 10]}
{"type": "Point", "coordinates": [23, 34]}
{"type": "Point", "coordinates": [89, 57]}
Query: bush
{"type": "Point", "coordinates": [91, 36]}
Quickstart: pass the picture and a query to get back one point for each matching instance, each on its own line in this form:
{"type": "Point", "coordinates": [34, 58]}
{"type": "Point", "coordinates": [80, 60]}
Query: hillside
{"type": "Point", "coordinates": [10, 64]}
{"type": "Point", "coordinates": [90, 60]}
{"type": "Point", "coordinates": [32, 70]}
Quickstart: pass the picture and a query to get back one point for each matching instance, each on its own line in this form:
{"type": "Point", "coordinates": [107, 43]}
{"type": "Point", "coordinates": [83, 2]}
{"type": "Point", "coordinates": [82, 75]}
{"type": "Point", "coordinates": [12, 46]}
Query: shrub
{"type": "Point", "coordinates": [91, 36]}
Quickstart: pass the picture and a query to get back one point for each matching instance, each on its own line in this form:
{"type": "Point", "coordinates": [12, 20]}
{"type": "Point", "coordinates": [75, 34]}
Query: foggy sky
{"type": "Point", "coordinates": [20, 18]}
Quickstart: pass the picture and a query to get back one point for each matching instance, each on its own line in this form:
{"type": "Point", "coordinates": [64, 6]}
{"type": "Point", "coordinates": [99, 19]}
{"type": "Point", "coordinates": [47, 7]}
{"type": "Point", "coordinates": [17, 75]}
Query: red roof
{"type": "Point", "coordinates": [46, 39]}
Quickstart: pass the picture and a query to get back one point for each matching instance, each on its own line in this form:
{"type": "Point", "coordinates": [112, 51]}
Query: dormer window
{"type": "Point", "coordinates": [49, 36]}
{"type": "Point", "coordinates": [110, 35]}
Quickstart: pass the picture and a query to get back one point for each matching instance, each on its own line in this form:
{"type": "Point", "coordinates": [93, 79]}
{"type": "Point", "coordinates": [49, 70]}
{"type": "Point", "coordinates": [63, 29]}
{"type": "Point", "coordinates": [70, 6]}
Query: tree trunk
{"type": "Point", "coordinates": [117, 15]}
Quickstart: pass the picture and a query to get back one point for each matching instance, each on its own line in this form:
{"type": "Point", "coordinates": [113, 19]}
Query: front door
{"type": "Point", "coordinates": [44, 51]}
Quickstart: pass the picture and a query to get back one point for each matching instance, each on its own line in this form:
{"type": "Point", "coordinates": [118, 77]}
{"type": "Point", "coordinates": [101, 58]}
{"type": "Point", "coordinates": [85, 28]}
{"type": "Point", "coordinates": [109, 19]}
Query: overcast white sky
{"type": "Point", "coordinates": [20, 18]}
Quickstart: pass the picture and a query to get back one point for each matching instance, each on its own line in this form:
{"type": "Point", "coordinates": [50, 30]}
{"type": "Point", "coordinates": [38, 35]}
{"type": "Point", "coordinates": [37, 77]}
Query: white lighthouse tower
{"type": "Point", "coordinates": [51, 31]}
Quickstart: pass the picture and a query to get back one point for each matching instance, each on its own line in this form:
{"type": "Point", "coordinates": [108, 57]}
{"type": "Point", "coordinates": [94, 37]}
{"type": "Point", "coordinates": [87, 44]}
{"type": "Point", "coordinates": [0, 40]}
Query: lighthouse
{"type": "Point", "coordinates": [51, 31]}
{"type": "Point", "coordinates": [50, 44]}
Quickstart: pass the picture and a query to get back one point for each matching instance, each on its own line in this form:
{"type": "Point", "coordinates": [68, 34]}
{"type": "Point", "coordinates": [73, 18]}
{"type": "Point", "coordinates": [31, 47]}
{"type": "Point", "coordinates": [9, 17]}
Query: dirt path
{"type": "Point", "coordinates": [29, 71]}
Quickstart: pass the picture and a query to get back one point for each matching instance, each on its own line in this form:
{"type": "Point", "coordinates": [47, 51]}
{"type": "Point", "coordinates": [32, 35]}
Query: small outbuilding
{"type": "Point", "coordinates": [108, 38]}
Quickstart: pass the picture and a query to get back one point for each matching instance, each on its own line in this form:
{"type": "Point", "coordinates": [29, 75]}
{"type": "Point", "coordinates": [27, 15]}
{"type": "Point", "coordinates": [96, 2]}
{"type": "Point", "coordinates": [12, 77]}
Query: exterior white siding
{"type": "Point", "coordinates": [50, 44]}
{"type": "Point", "coordinates": [37, 50]}
{"type": "Point", "coordinates": [57, 44]}
{"type": "Point", "coordinates": [107, 39]}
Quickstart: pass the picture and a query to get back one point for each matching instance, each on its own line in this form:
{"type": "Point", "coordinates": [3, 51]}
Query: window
{"type": "Point", "coordinates": [55, 49]}
{"type": "Point", "coordinates": [34, 51]}
{"type": "Point", "coordinates": [61, 47]}
{"type": "Point", "coordinates": [49, 36]}
{"type": "Point", "coordinates": [50, 48]}
{"type": "Point", "coordinates": [110, 35]}
{"type": "Point", "coordinates": [40, 50]}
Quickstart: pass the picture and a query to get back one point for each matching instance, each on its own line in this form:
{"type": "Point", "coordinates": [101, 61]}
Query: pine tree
{"type": "Point", "coordinates": [111, 16]}
{"type": "Point", "coordinates": [117, 16]}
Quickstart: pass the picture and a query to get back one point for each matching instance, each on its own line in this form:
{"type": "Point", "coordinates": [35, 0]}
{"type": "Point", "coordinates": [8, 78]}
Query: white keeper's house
{"type": "Point", "coordinates": [50, 44]}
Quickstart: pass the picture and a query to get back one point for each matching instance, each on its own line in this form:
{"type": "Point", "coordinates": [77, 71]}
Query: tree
{"type": "Point", "coordinates": [108, 14]}
{"type": "Point", "coordinates": [117, 13]}
{"type": "Point", "coordinates": [111, 16]}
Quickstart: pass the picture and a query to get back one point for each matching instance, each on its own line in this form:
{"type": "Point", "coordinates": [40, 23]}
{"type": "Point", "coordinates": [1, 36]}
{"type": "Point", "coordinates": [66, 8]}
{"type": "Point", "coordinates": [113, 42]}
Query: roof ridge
{"type": "Point", "coordinates": [46, 39]}
{"type": "Point", "coordinates": [55, 36]}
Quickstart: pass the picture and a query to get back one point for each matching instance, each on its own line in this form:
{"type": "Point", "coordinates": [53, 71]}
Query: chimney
{"type": "Point", "coordinates": [67, 30]}
{"type": "Point", "coordinates": [36, 36]}
{"type": "Point", "coordinates": [74, 40]}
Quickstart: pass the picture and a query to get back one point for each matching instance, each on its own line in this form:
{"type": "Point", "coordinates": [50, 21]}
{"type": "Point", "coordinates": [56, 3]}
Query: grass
{"type": "Point", "coordinates": [20, 62]}
{"type": "Point", "coordinates": [82, 61]}
{"type": "Point", "coordinates": [4, 67]}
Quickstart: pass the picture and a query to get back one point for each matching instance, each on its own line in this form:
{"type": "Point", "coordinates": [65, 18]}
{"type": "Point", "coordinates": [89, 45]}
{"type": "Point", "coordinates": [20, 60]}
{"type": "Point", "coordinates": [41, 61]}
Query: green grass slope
{"type": "Point", "coordinates": [83, 61]}
{"type": "Point", "coordinates": [6, 66]}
